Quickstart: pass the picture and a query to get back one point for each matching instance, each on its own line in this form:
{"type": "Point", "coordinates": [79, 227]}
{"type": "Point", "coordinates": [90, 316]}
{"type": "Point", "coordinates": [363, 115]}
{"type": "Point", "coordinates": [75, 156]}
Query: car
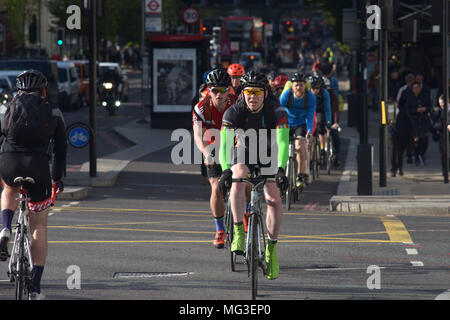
{"type": "Point", "coordinates": [47, 67]}
{"type": "Point", "coordinates": [125, 86]}
{"type": "Point", "coordinates": [68, 85]}
{"type": "Point", "coordinates": [251, 60]}
{"type": "Point", "coordinates": [83, 80]}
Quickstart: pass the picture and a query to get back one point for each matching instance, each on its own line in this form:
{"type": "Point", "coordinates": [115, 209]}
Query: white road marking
{"type": "Point", "coordinates": [417, 263]}
{"type": "Point", "coordinates": [411, 251]}
{"type": "Point", "coordinates": [444, 295]}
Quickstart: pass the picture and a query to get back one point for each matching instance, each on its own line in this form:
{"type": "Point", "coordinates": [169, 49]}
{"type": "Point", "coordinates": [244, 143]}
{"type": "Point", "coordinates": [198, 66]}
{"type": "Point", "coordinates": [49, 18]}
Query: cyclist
{"type": "Point", "coordinates": [256, 110]}
{"type": "Point", "coordinates": [236, 71]}
{"type": "Point", "coordinates": [28, 159]}
{"type": "Point", "coordinates": [207, 114]}
{"type": "Point", "coordinates": [300, 105]}
{"type": "Point", "coordinates": [279, 83]}
{"type": "Point", "coordinates": [323, 112]}
{"type": "Point", "coordinates": [334, 129]}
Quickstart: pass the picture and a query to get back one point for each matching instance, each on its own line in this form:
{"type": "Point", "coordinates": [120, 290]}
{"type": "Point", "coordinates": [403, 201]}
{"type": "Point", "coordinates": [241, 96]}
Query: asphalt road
{"type": "Point", "coordinates": [150, 237]}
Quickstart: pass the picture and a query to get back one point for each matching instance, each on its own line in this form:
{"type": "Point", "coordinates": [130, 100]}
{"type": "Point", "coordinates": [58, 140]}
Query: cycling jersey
{"type": "Point", "coordinates": [206, 114]}
{"type": "Point", "coordinates": [323, 104]}
{"type": "Point", "coordinates": [297, 114]}
{"type": "Point", "coordinates": [271, 116]}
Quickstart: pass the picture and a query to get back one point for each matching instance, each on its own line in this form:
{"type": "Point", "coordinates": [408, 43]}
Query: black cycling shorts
{"type": "Point", "coordinates": [36, 166]}
{"type": "Point", "coordinates": [321, 123]}
{"type": "Point", "coordinates": [214, 171]}
{"type": "Point", "coordinates": [299, 131]}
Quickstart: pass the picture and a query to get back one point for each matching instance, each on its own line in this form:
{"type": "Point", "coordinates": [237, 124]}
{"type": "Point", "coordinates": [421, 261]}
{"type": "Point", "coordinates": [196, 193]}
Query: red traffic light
{"type": "Point", "coordinates": [288, 22]}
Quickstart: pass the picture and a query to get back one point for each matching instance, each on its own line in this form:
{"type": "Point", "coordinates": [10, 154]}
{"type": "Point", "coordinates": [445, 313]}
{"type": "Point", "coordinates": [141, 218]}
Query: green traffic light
{"type": "Point", "coordinates": [60, 42]}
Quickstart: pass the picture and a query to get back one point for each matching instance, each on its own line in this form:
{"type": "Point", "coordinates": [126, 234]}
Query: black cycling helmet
{"type": "Point", "coordinates": [317, 82]}
{"type": "Point", "coordinates": [218, 78]}
{"type": "Point", "coordinates": [299, 77]}
{"type": "Point", "coordinates": [254, 79]}
{"type": "Point", "coordinates": [31, 80]}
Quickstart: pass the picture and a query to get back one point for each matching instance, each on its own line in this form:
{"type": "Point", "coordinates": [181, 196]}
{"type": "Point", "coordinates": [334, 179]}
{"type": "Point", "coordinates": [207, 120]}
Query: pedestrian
{"type": "Point", "coordinates": [418, 106]}
{"type": "Point", "coordinates": [440, 127]}
{"type": "Point", "coordinates": [402, 96]}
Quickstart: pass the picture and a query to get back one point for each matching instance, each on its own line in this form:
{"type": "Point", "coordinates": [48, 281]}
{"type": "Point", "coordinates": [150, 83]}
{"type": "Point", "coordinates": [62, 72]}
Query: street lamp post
{"type": "Point", "coordinates": [445, 86]}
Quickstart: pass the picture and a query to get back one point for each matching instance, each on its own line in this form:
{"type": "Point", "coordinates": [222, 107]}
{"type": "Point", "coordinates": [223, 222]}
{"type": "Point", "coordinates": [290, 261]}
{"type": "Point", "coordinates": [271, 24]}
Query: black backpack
{"type": "Point", "coordinates": [28, 121]}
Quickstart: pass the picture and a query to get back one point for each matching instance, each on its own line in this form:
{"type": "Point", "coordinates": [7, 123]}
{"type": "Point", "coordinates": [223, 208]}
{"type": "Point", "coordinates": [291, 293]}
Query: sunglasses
{"type": "Point", "coordinates": [218, 90]}
{"type": "Point", "coordinates": [256, 92]}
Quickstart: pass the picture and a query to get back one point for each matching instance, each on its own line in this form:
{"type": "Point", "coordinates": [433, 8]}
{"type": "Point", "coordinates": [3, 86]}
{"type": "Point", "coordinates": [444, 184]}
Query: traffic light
{"type": "Point", "coordinates": [60, 36]}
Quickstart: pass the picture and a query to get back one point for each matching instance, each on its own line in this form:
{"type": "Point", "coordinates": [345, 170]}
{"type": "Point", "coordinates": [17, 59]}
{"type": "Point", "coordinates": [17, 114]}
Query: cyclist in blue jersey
{"type": "Point", "coordinates": [300, 105]}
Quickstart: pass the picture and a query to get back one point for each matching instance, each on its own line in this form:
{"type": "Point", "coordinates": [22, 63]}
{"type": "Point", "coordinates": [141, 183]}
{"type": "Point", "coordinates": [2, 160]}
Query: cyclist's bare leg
{"type": "Point", "coordinates": [274, 214]}
{"type": "Point", "coordinates": [238, 192]}
{"type": "Point", "coordinates": [10, 197]}
{"type": "Point", "coordinates": [303, 155]}
{"type": "Point", "coordinates": [38, 230]}
{"type": "Point", "coordinates": [322, 140]}
{"type": "Point", "coordinates": [216, 200]}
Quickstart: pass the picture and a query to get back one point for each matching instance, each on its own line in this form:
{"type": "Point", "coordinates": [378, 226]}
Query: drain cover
{"type": "Point", "coordinates": [136, 275]}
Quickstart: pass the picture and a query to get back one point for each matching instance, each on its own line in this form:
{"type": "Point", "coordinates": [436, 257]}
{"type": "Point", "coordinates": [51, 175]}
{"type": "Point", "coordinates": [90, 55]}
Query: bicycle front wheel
{"type": "Point", "coordinates": [230, 234]}
{"type": "Point", "coordinates": [291, 186]}
{"type": "Point", "coordinates": [253, 254]}
{"type": "Point", "coordinates": [21, 283]}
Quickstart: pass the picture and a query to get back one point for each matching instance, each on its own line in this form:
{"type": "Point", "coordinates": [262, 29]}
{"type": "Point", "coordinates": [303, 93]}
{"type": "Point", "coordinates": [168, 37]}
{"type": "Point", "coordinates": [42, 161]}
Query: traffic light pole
{"type": "Point", "coordinates": [383, 62]}
{"type": "Point", "coordinates": [93, 90]}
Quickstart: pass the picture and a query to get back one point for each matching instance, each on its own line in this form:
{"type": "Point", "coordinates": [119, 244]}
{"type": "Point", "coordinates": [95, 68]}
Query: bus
{"type": "Point", "coordinates": [247, 31]}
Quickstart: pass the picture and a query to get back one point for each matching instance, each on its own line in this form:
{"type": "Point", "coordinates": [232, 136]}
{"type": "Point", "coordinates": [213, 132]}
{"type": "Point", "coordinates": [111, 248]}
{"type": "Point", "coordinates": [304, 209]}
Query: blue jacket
{"type": "Point", "coordinates": [297, 115]}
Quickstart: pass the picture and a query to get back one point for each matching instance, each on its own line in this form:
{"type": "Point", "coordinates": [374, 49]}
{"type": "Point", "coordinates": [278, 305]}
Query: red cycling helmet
{"type": "Point", "coordinates": [280, 81]}
{"type": "Point", "coordinates": [236, 69]}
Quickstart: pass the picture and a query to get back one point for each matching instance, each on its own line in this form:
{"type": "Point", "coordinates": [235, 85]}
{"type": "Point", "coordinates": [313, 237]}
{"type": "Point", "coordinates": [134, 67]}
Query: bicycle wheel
{"type": "Point", "coordinates": [230, 234]}
{"type": "Point", "coordinates": [329, 154]}
{"type": "Point", "coordinates": [317, 162]}
{"type": "Point", "coordinates": [291, 186]}
{"type": "Point", "coordinates": [22, 269]}
{"type": "Point", "coordinates": [313, 157]}
{"type": "Point", "coordinates": [253, 254]}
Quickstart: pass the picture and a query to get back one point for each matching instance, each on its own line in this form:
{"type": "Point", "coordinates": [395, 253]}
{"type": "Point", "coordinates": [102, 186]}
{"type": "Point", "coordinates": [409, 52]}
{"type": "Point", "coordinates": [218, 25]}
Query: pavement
{"type": "Point", "coordinates": [420, 191]}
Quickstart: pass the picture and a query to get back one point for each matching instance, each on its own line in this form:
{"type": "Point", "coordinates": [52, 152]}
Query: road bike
{"type": "Point", "coordinates": [255, 244]}
{"type": "Point", "coordinates": [229, 231]}
{"type": "Point", "coordinates": [21, 261]}
{"type": "Point", "coordinates": [314, 156]}
{"type": "Point", "coordinates": [293, 192]}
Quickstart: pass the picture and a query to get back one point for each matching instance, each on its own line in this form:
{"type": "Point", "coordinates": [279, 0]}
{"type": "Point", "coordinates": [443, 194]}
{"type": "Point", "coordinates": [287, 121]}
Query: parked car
{"type": "Point", "coordinates": [125, 86]}
{"type": "Point", "coordinates": [47, 67]}
{"type": "Point", "coordinates": [68, 85]}
{"type": "Point", "coordinates": [251, 60]}
{"type": "Point", "coordinates": [83, 79]}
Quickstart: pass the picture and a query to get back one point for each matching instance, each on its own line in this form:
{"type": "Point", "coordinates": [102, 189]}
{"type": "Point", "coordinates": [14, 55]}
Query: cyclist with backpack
{"type": "Point", "coordinates": [300, 105]}
{"type": "Point", "coordinates": [33, 130]}
{"type": "Point", "coordinates": [236, 71]}
{"type": "Point", "coordinates": [207, 115]}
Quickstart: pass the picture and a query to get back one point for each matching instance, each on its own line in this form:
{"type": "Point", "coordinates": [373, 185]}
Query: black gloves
{"type": "Point", "coordinates": [281, 180]}
{"type": "Point", "coordinates": [59, 185]}
{"type": "Point", "coordinates": [225, 181]}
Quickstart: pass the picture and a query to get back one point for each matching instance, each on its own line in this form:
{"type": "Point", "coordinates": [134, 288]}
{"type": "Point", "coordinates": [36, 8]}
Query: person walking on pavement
{"type": "Point", "coordinates": [440, 128]}
{"type": "Point", "coordinates": [418, 105]}
{"type": "Point", "coordinates": [402, 96]}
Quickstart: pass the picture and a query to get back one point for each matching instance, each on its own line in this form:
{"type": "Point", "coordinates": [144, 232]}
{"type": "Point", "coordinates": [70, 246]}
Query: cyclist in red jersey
{"type": "Point", "coordinates": [206, 116]}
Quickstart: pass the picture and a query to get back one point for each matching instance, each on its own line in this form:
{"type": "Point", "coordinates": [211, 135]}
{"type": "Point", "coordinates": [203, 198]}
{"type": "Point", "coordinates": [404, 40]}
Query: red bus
{"type": "Point", "coordinates": [246, 30]}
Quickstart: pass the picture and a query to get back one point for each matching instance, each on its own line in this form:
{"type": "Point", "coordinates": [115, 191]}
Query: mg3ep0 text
{"type": "Point", "coordinates": [244, 309]}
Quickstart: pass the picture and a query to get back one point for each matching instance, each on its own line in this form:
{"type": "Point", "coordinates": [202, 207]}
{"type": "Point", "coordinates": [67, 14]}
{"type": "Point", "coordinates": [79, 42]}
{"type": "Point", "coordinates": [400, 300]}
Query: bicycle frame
{"type": "Point", "coordinates": [21, 250]}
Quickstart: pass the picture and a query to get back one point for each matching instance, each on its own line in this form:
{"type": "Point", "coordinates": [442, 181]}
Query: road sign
{"type": "Point", "coordinates": [371, 58]}
{"type": "Point", "coordinates": [153, 23]}
{"type": "Point", "coordinates": [191, 15]}
{"type": "Point", "coordinates": [153, 6]}
{"type": "Point", "coordinates": [78, 135]}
